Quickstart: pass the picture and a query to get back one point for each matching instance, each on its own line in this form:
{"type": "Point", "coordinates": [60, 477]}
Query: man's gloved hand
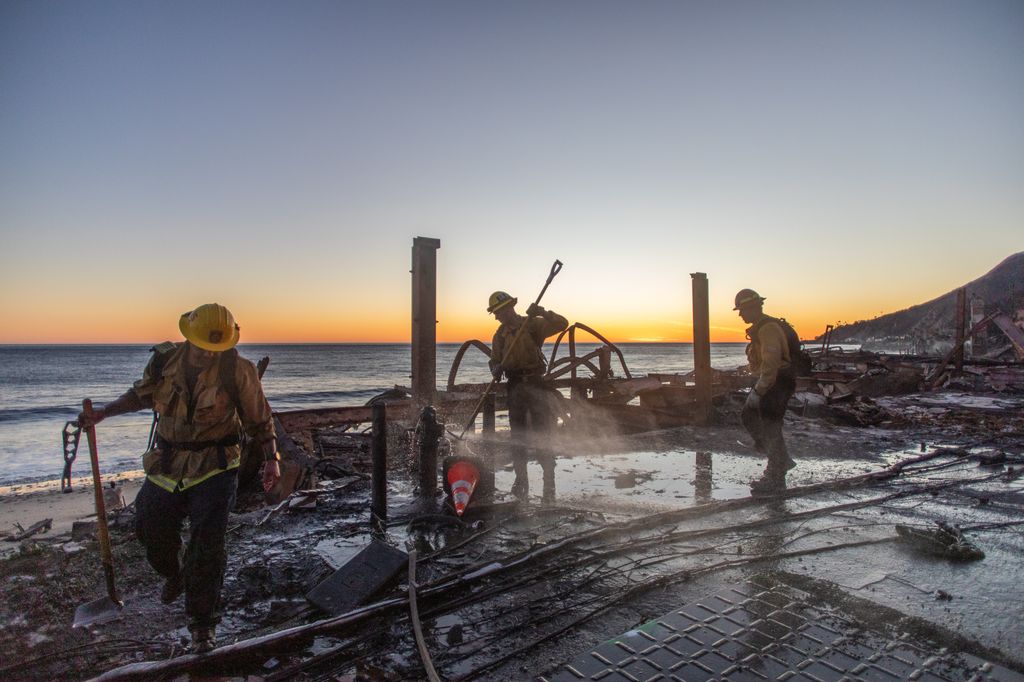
{"type": "Point", "coordinates": [496, 372]}
{"type": "Point", "coordinates": [535, 310]}
{"type": "Point", "coordinates": [91, 419]}
{"type": "Point", "coordinates": [753, 401]}
{"type": "Point", "coordinates": [271, 474]}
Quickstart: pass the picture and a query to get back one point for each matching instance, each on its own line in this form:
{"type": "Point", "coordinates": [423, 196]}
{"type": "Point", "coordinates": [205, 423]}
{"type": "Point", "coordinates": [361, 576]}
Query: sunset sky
{"type": "Point", "coordinates": [845, 159]}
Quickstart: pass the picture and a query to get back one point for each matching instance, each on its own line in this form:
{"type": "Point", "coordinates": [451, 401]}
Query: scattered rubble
{"type": "Point", "coordinates": [512, 590]}
{"type": "Point", "coordinates": [25, 533]}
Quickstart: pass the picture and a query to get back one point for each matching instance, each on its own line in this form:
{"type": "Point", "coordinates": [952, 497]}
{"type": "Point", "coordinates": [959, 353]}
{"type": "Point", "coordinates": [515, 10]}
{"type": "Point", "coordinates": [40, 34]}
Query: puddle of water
{"type": "Point", "coordinates": [645, 478]}
{"type": "Point", "coordinates": [336, 552]}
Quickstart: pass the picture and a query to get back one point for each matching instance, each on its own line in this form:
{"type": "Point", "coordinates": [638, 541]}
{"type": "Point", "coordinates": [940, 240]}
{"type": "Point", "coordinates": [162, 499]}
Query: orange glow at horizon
{"type": "Point", "coordinates": [265, 325]}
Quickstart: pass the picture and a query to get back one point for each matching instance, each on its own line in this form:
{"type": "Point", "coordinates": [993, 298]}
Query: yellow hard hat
{"type": "Point", "coordinates": [745, 296]}
{"type": "Point", "coordinates": [499, 299]}
{"type": "Point", "coordinates": [211, 327]}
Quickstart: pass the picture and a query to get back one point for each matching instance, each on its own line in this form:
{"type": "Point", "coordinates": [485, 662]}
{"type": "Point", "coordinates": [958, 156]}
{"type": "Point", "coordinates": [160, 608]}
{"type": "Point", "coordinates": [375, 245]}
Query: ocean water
{"type": "Point", "coordinates": [42, 387]}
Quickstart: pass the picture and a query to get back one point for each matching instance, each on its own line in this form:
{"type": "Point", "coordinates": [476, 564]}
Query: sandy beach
{"type": "Point", "coordinates": [28, 503]}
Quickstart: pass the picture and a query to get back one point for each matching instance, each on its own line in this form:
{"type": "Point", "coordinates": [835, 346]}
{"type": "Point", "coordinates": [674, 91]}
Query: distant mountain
{"type": "Point", "coordinates": [929, 327]}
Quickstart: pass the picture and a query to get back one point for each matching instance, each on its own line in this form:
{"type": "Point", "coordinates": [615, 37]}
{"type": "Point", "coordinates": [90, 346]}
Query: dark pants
{"type": "Point", "coordinates": [765, 425]}
{"type": "Point", "coordinates": [531, 414]}
{"type": "Point", "coordinates": [159, 516]}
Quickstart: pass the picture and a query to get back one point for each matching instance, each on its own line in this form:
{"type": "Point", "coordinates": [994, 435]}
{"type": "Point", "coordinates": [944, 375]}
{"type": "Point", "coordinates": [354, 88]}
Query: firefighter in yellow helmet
{"type": "Point", "coordinates": [530, 408]}
{"type": "Point", "coordinates": [771, 358]}
{"type": "Point", "coordinates": [204, 394]}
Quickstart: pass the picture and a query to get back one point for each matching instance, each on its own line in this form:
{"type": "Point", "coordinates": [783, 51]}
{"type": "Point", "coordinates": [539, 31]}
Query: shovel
{"type": "Point", "coordinates": [555, 269]}
{"type": "Point", "coordinates": [109, 607]}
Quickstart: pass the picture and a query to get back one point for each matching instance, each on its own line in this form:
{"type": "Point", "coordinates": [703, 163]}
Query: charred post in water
{"type": "Point", "coordinates": [429, 430]}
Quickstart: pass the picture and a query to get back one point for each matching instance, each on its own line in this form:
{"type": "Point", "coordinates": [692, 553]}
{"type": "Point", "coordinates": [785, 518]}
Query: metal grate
{"type": "Point", "coordinates": [761, 631]}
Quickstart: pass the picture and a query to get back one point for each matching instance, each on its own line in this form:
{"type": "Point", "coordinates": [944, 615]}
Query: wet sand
{"type": "Point", "coordinates": [28, 503]}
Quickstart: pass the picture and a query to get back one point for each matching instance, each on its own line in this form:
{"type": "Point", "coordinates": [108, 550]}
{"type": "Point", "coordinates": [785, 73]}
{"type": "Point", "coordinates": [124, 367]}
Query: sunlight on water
{"type": "Point", "coordinates": [43, 387]}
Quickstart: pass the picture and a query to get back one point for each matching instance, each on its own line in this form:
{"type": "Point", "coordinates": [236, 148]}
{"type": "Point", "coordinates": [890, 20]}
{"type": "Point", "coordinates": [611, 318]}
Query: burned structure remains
{"type": "Point", "coordinates": [389, 552]}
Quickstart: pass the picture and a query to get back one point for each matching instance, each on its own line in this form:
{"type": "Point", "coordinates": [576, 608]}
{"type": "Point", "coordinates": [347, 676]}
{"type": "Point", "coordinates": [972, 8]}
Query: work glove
{"type": "Point", "coordinates": [753, 401]}
{"type": "Point", "coordinates": [535, 310]}
{"type": "Point", "coordinates": [92, 419]}
{"type": "Point", "coordinates": [271, 474]}
{"type": "Point", "coordinates": [496, 372]}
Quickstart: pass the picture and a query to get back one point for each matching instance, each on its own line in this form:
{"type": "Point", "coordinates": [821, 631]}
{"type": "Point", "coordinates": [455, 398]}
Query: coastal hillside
{"type": "Point", "coordinates": [928, 327]}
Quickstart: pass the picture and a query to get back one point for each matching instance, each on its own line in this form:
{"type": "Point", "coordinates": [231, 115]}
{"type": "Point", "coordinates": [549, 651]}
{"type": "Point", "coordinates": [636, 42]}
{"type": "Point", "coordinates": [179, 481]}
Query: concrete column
{"type": "Point", "coordinates": [424, 321]}
{"type": "Point", "coordinates": [701, 345]}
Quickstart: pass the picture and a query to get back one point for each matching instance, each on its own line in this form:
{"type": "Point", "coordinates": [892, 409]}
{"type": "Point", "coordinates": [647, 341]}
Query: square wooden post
{"type": "Point", "coordinates": [701, 346]}
{"type": "Point", "coordinates": [424, 322]}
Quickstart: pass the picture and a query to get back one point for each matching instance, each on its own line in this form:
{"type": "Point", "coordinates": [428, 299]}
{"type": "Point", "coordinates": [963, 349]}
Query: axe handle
{"type": "Point", "coordinates": [101, 510]}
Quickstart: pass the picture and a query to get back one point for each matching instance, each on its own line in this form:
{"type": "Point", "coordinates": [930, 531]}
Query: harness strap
{"type": "Point", "coordinates": [168, 449]}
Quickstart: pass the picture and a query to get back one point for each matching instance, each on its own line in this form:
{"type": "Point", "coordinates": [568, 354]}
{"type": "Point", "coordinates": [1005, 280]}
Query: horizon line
{"type": "Point", "coordinates": [4, 344]}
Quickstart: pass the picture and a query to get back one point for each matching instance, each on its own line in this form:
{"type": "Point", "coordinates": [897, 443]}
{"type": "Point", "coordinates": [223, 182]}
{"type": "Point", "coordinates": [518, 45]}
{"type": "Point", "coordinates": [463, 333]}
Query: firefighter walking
{"type": "Point", "coordinates": [771, 359]}
{"type": "Point", "coordinates": [204, 394]}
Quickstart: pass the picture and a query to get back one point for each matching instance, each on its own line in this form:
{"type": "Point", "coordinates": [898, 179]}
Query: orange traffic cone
{"type": "Point", "coordinates": [462, 478]}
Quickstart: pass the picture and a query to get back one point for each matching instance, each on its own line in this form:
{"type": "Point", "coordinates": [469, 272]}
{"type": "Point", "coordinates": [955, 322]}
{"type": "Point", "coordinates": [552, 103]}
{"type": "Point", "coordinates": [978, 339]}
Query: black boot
{"type": "Point", "coordinates": [772, 482]}
{"type": "Point", "coordinates": [173, 587]}
{"type": "Point", "coordinates": [521, 486]}
{"type": "Point", "coordinates": [204, 639]}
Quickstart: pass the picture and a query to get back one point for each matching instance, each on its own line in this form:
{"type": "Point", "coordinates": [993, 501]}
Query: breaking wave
{"type": "Point", "coordinates": [55, 412]}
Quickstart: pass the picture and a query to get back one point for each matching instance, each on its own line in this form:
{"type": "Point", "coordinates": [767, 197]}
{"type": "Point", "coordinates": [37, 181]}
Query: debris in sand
{"type": "Point", "coordinates": [945, 541]}
{"type": "Point", "coordinates": [83, 530]}
{"type": "Point", "coordinates": [23, 533]}
{"type": "Point", "coordinates": [359, 579]}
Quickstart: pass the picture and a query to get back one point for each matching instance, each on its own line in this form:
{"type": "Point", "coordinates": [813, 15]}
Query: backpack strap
{"type": "Point", "coordinates": [228, 367]}
{"type": "Point", "coordinates": [161, 352]}
{"type": "Point", "coordinates": [756, 327]}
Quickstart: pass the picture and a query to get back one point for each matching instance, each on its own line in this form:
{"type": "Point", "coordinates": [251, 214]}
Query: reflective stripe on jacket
{"type": "Point", "coordinates": [526, 356]}
{"type": "Point", "coordinates": [768, 352]}
{"type": "Point", "coordinates": [206, 415]}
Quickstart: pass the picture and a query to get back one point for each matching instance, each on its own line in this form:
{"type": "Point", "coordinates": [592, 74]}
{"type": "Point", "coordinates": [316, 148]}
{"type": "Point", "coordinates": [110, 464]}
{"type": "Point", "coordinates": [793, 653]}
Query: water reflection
{"type": "Point", "coordinates": [702, 480]}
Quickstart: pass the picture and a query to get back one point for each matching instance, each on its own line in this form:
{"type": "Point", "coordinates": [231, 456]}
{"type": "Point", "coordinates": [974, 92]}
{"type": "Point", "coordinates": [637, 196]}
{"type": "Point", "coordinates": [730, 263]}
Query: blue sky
{"type": "Point", "coordinates": [845, 159]}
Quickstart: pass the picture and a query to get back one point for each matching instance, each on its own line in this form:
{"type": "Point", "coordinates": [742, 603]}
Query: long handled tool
{"type": "Point", "coordinates": [555, 269]}
{"type": "Point", "coordinates": [108, 607]}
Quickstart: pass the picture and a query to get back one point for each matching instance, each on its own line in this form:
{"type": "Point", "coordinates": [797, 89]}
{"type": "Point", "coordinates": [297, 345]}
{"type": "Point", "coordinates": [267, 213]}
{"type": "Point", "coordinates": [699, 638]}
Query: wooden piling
{"type": "Point", "coordinates": [424, 321]}
{"type": "Point", "coordinates": [430, 430]}
{"type": "Point", "coordinates": [701, 346]}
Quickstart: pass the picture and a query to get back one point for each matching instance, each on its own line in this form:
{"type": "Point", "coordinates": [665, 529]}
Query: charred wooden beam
{"type": "Point", "coordinates": [424, 320]}
{"type": "Point", "coordinates": [701, 345]}
{"type": "Point", "coordinates": [304, 420]}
